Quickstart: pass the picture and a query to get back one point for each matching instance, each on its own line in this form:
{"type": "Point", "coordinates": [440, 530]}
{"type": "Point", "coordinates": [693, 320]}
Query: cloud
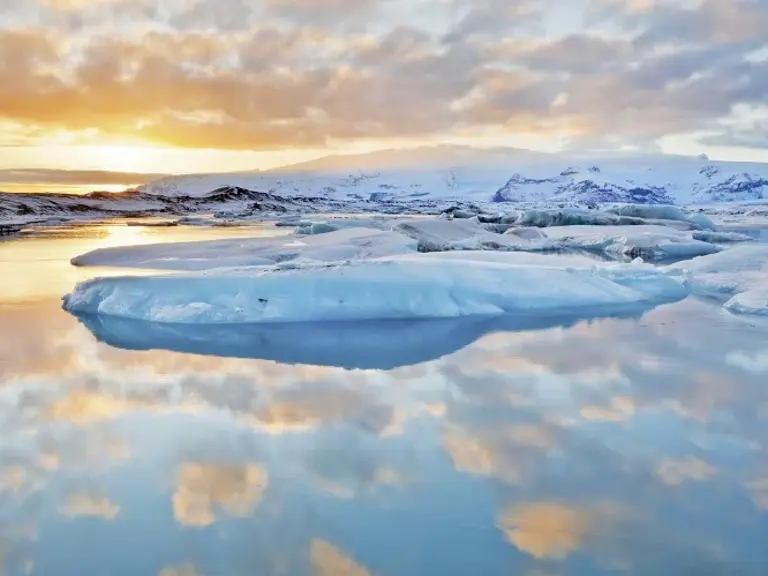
{"type": "Point", "coordinates": [272, 74]}
{"type": "Point", "coordinates": [75, 177]}
{"type": "Point", "coordinates": [755, 136]}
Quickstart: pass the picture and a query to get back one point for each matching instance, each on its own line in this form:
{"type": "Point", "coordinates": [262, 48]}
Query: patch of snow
{"type": "Point", "coordinates": [401, 287]}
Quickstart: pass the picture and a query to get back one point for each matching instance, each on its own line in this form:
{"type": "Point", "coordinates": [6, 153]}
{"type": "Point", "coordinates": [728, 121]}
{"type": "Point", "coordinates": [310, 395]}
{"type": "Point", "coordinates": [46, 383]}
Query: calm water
{"type": "Point", "coordinates": [564, 446]}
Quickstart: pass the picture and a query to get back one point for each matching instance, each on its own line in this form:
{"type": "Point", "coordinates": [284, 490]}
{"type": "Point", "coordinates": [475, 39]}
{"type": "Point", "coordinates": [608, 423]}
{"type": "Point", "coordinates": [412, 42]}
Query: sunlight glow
{"type": "Point", "coordinates": [121, 158]}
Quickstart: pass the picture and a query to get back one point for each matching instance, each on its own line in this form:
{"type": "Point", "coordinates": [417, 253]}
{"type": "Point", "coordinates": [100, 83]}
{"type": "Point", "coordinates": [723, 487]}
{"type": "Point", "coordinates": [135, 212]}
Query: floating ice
{"type": "Point", "coordinates": [662, 212]}
{"type": "Point", "coordinates": [647, 242]}
{"type": "Point", "coordinates": [401, 287]}
{"type": "Point", "coordinates": [349, 244]}
{"type": "Point", "coordinates": [720, 237]}
{"type": "Point", "coordinates": [446, 236]}
{"type": "Point", "coordinates": [574, 217]}
{"type": "Point", "coordinates": [740, 273]}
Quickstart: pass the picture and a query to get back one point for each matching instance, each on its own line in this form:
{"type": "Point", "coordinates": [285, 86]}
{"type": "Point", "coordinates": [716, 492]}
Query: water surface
{"type": "Point", "coordinates": [563, 446]}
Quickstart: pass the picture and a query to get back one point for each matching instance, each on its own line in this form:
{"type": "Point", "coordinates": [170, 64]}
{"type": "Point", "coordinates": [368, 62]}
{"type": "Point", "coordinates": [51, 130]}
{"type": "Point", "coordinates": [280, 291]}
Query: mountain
{"type": "Point", "coordinates": [437, 175]}
{"type": "Point", "coordinates": [418, 180]}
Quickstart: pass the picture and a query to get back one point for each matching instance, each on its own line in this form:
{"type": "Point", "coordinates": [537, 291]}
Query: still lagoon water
{"type": "Point", "coordinates": [576, 446]}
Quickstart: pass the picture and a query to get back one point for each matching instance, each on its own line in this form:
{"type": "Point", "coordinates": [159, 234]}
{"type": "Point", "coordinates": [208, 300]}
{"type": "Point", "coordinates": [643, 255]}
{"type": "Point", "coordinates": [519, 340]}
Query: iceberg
{"type": "Point", "coordinates": [740, 274]}
{"type": "Point", "coordinates": [341, 245]}
{"type": "Point", "coordinates": [648, 242]}
{"type": "Point", "coordinates": [411, 286]}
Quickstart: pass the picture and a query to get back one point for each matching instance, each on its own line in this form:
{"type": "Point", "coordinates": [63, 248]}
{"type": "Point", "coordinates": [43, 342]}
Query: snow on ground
{"type": "Point", "coordinates": [349, 244]}
{"type": "Point", "coordinates": [740, 273]}
{"type": "Point", "coordinates": [400, 287]}
{"type": "Point", "coordinates": [647, 242]}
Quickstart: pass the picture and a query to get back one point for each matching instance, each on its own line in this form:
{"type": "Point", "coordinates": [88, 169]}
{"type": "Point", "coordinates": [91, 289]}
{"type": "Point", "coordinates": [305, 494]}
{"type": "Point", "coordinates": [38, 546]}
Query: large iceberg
{"type": "Point", "coordinates": [740, 274]}
{"type": "Point", "coordinates": [441, 285]}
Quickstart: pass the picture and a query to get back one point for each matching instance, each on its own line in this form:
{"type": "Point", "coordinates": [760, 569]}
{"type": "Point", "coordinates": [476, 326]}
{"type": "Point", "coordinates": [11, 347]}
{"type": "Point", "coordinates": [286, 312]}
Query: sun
{"type": "Point", "coordinates": [122, 158]}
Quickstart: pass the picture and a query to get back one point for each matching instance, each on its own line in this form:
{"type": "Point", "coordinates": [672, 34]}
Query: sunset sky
{"type": "Point", "coordinates": [172, 86]}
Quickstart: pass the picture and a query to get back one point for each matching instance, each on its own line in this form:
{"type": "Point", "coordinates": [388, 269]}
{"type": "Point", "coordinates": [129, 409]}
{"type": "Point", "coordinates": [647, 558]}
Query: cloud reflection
{"type": "Point", "coordinates": [675, 472]}
{"type": "Point", "coordinates": [183, 570]}
{"type": "Point", "coordinates": [206, 489]}
{"type": "Point", "coordinates": [90, 505]}
{"type": "Point", "coordinates": [328, 560]}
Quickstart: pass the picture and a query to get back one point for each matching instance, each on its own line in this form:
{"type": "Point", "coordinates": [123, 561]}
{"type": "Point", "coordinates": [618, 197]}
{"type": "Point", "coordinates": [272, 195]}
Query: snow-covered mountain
{"type": "Point", "coordinates": [426, 177]}
{"type": "Point", "coordinates": [419, 180]}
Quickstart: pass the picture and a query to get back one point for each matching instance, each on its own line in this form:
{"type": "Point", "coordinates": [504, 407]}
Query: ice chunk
{"type": "Point", "coordinates": [720, 237]}
{"type": "Point", "coordinates": [740, 273]}
{"type": "Point", "coordinates": [574, 217]}
{"type": "Point", "coordinates": [349, 244]}
{"type": "Point", "coordinates": [402, 287]}
{"type": "Point", "coordinates": [701, 221]}
{"type": "Point", "coordinates": [309, 228]}
{"type": "Point", "coordinates": [662, 212]}
{"type": "Point", "coordinates": [445, 235]}
{"type": "Point", "coordinates": [334, 224]}
{"type": "Point", "coordinates": [659, 211]}
{"type": "Point", "coordinates": [647, 242]}
{"type": "Point", "coordinates": [526, 233]}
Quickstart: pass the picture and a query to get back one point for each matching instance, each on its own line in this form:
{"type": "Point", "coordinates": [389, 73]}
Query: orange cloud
{"type": "Point", "coordinates": [87, 504]}
{"type": "Point", "coordinates": [204, 488]}
{"type": "Point", "coordinates": [327, 560]}
{"type": "Point", "coordinates": [552, 530]}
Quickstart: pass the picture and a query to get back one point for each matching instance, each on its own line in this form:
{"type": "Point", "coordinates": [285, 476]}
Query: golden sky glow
{"type": "Point", "coordinates": [174, 86]}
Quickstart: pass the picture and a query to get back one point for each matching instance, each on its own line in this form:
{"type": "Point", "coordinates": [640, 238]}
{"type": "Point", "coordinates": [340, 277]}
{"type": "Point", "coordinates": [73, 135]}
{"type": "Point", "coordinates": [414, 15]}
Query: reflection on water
{"type": "Point", "coordinates": [631, 445]}
{"type": "Point", "coordinates": [37, 264]}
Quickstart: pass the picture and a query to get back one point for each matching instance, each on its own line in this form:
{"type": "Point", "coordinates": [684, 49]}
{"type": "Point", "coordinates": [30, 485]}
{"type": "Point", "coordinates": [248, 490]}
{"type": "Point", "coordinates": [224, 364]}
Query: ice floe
{"type": "Point", "coordinates": [400, 287]}
{"type": "Point", "coordinates": [740, 274]}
